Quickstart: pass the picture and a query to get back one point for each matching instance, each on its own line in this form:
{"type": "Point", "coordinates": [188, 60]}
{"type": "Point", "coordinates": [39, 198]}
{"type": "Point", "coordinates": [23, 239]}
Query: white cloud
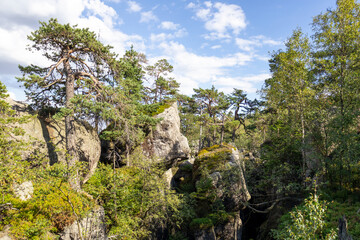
{"type": "Point", "coordinates": [191, 5]}
{"type": "Point", "coordinates": [24, 12]}
{"type": "Point", "coordinates": [97, 8]}
{"type": "Point", "coordinates": [256, 41]}
{"type": "Point", "coordinates": [208, 4]}
{"type": "Point", "coordinates": [12, 95]}
{"type": "Point", "coordinates": [161, 37]}
{"type": "Point", "coordinates": [191, 69]}
{"type": "Point", "coordinates": [133, 6]}
{"type": "Point", "coordinates": [215, 47]}
{"type": "Point", "coordinates": [245, 44]}
{"type": "Point", "coordinates": [19, 18]}
{"type": "Point", "coordinates": [257, 78]}
{"type": "Point", "coordinates": [203, 14]}
{"type": "Point", "coordinates": [148, 17]}
{"type": "Point", "coordinates": [248, 83]}
{"type": "Point", "coordinates": [167, 25]}
{"type": "Point", "coordinates": [220, 18]}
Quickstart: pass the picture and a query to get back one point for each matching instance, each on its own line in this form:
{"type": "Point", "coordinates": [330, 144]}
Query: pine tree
{"type": "Point", "coordinates": [80, 66]}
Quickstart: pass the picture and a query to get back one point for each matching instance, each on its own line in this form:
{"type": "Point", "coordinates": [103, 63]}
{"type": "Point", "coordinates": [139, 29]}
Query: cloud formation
{"type": "Point", "coordinates": [220, 19]}
{"type": "Point", "coordinates": [256, 41]}
{"type": "Point", "coordinates": [19, 18]}
{"type": "Point", "coordinates": [227, 84]}
{"type": "Point", "coordinates": [193, 65]}
{"type": "Point", "coordinates": [191, 69]}
{"type": "Point", "coordinates": [133, 6]}
{"type": "Point", "coordinates": [148, 17]}
{"type": "Point", "coordinates": [167, 25]}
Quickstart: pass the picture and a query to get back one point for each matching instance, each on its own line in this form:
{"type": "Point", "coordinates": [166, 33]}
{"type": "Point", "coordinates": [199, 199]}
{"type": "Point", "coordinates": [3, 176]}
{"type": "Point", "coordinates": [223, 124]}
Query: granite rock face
{"type": "Point", "coordinates": [166, 143]}
{"type": "Point", "coordinates": [218, 176]}
{"type": "Point", "coordinates": [92, 227]}
{"type": "Point", "coordinates": [4, 234]}
{"type": "Point", "coordinates": [224, 166]}
{"type": "Point", "coordinates": [343, 233]}
{"type": "Point", "coordinates": [47, 137]}
{"type": "Point", "coordinates": [230, 230]}
{"type": "Point", "coordinates": [24, 190]}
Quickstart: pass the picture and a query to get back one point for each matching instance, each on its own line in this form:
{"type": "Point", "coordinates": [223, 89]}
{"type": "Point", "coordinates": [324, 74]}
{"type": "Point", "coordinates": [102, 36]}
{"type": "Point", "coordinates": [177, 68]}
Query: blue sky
{"type": "Point", "coordinates": [225, 43]}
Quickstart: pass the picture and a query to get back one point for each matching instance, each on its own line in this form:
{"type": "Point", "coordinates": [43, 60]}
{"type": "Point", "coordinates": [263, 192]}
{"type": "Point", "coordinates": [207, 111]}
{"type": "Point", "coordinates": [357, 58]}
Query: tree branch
{"type": "Point", "coordinates": [53, 67]}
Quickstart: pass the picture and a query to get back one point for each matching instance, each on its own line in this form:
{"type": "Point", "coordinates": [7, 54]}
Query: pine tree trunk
{"type": "Point", "coordinates": [201, 130]}
{"type": "Point", "coordinates": [222, 130]}
{"type": "Point", "coordinates": [70, 134]}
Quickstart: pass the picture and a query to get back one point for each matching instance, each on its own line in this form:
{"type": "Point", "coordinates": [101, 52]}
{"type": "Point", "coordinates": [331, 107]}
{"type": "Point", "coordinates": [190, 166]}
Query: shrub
{"type": "Point", "coordinates": [306, 222]}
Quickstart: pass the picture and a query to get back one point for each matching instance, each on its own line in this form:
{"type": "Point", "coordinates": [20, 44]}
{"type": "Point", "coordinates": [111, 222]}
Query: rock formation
{"type": "Point", "coordinates": [218, 180]}
{"type": "Point", "coordinates": [166, 143]}
{"type": "Point", "coordinates": [223, 165]}
{"type": "Point", "coordinates": [343, 231]}
{"type": "Point", "coordinates": [92, 227]}
{"type": "Point", "coordinates": [4, 234]}
{"type": "Point", "coordinates": [24, 190]}
{"type": "Point", "coordinates": [47, 137]}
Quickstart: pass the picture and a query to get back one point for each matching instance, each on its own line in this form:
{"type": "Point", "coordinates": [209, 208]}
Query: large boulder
{"type": "Point", "coordinates": [227, 230]}
{"type": "Point", "coordinates": [182, 179]}
{"type": "Point", "coordinates": [91, 227]}
{"type": "Point", "coordinates": [230, 230]}
{"type": "Point", "coordinates": [4, 234]}
{"type": "Point", "coordinates": [47, 138]}
{"type": "Point", "coordinates": [24, 191]}
{"type": "Point", "coordinates": [166, 143]}
{"type": "Point", "coordinates": [222, 165]}
{"type": "Point", "coordinates": [343, 231]}
{"type": "Point", "coordinates": [220, 193]}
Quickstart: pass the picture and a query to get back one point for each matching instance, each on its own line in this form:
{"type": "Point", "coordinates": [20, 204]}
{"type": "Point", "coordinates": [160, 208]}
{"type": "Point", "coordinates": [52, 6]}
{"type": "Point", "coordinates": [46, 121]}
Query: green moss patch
{"type": "Point", "coordinates": [201, 223]}
{"type": "Point", "coordinates": [213, 158]}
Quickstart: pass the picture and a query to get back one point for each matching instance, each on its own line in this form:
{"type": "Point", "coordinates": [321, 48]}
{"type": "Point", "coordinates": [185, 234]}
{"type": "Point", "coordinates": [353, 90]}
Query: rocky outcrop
{"type": "Point", "coordinates": [47, 137]}
{"type": "Point", "coordinates": [228, 230]}
{"type": "Point", "coordinates": [92, 227]}
{"type": "Point", "coordinates": [343, 231]}
{"type": "Point", "coordinates": [182, 179]}
{"type": "Point", "coordinates": [166, 143]}
{"type": "Point", "coordinates": [219, 184]}
{"type": "Point", "coordinates": [205, 234]}
{"type": "Point", "coordinates": [4, 234]}
{"type": "Point", "coordinates": [222, 163]}
{"type": "Point", "coordinates": [24, 190]}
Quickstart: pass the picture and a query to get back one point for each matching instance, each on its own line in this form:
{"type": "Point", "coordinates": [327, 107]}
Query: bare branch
{"type": "Point", "coordinates": [83, 62]}
{"type": "Point", "coordinates": [53, 67]}
{"type": "Point", "coordinates": [53, 83]}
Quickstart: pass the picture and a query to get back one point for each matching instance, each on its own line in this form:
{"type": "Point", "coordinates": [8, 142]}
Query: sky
{"type": "Point", "coordinates": [222, 43]}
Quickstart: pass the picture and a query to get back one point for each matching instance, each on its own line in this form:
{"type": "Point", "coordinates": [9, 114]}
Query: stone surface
{"type": "Point", "coordinates": [92, 227]}
{"type": "Point", "coordinates": [48, 138]}
{"type": "Point", "coordinates": [218, 171]}
{"type": "Point", "coordinates": [166, 143]}
{"type": "Point", "coordinates": [168, 176]}
{"type": "Point", "coordinates": [183, 176]}
{"type": "Point", "coordinates": [24, 190]}
{"type": "Point", "coordinates": [231, 230]}
{"type": "Point", "coordinates": [4, 234]}
{"type": "Point", "coordinates": [225, 168]}
{"type": "Point", "coordinates": [343, 231]}
{"type": "Point", "coordinates": [205, 234]}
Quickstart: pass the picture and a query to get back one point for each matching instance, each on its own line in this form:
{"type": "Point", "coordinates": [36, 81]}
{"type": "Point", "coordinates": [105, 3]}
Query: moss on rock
{"type": "Point", "coordinates": [211, 159]}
